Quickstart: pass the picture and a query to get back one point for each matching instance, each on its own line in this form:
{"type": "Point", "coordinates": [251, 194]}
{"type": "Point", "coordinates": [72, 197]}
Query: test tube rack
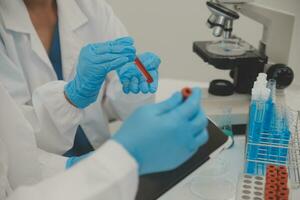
{"type": "Point", "coordinates": [294, 148]}
{"type": "Point", "coordinates": [281, 149]}
{"type": "Point", "coordinates": [270, 146]}
{"type": "Point", "coordinates": [276, 187]}
{"type": "Point", "coordinates": [251, 187]}
{"type": "Point", "coordinates": [273, 186]}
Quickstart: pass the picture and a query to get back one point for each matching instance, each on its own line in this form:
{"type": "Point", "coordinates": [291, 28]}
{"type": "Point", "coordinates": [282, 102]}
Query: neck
{"type": "Point", "coordinates": [40, 4]}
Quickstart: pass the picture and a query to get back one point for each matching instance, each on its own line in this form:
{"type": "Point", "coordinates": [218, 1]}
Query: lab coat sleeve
{"type": "Point", "coordinates": [53, 119]}
{"type": "Point", "coordinates": [117, 104]}
{"type": "Point", "coordinates": [58, 119]}
{"type": "Point", "coordinates": [51, 164]}
{"type": "Point", "coordinates": [25, 162]}
{"type": "Point", "coordinates": [110, 174]}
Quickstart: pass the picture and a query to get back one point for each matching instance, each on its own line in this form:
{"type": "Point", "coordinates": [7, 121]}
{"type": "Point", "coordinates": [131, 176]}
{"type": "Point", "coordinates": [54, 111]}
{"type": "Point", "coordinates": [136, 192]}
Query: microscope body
{"type": "Point", "coordinates": [247, 65]}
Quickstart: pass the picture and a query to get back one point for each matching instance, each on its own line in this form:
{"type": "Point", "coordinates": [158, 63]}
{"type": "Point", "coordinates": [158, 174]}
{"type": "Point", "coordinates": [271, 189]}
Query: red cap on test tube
{"type": "Point", "coordinates": [186, 92]}
{"type": "Point", "coordinates": [276, 182]}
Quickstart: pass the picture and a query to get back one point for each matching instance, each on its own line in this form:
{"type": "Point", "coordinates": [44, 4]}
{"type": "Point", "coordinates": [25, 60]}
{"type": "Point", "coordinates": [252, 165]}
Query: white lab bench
{"type": "Point", "coordinates": [214, 108]}
{"type": "Point", "coordinates": [233, 159]}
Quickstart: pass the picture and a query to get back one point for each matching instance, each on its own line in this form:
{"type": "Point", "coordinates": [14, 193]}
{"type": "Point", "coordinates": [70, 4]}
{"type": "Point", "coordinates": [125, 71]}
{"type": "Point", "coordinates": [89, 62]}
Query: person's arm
{"type": "Point", "coordinates": [110, 174]}
{"type": "Point", "coordinates": [52, 108]}
{"type": "Point", "coordinates": [51, 164]}
{"type": "Point", "coordinates": [18, 137]}
{"type": "Point", "coordinates": [44, 108]}
{"type": "Point", "coordinates": [57, 118]}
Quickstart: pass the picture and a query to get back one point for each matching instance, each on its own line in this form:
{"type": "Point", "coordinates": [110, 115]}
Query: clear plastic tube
{"type": "Point", "coordinates": [272, 86]}
{"type": "Point", "coordinates": [294, 148]}
{"type": "Point", "coordinates": [269, 132]}
{"type": "Point", "coordinates": [226, 124]}
{"type": "Point", "coordinates": [270, 107]}
{"type": "Point", "coordinates": [257, 116]}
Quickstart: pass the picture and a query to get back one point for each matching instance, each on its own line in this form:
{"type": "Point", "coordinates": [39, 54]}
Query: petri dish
{"type": "Point", "coordinates": [216, 168]}
{"type": "Point", "coordinates": [229, 47]}
{"type": "Point", "coordinates": [212, 188]}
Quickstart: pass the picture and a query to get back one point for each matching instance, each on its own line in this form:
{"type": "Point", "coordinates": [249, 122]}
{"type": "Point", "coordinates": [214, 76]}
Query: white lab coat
{"type": "Point", "coordinates": [31, 80]}
{"type": "Point", "coordinates": [110, 173]}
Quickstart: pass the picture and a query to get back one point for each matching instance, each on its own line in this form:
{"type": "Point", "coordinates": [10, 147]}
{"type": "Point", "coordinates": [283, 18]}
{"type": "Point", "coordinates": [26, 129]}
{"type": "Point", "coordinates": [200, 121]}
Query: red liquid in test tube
{"type": "Point", "coordinates": [143, 70]}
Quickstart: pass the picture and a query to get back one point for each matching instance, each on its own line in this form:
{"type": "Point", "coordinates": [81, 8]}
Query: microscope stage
{"type": "Point", "coordinates": [226, 58]}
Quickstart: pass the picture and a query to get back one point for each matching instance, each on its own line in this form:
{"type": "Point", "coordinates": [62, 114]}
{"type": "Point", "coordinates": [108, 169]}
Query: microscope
{"type": "Point", "coordinates": [243, 60]}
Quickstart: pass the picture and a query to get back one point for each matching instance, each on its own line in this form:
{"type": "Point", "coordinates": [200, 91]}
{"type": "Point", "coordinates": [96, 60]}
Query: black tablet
{"type": "Point", "coordinates": [152, 186]}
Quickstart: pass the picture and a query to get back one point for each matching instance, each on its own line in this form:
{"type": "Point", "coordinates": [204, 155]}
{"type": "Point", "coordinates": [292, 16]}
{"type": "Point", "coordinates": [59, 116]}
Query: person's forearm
{"type": "Point", "coordinates": [109, 174]}
{"type": "Point", "coordinates": [50, 105]}
{"type": "Point", "coordinates": [51, 164]}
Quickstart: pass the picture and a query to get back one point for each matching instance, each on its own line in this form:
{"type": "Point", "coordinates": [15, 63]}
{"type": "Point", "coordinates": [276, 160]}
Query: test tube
{"type": "Point", "coordinates": [294, 146]}
{"type": "Point", "coordinates": [270, 107]}
{"type": "Point", "coordinates": [143, 70]}
{"type": "Point", "coordinates": [226, 123]}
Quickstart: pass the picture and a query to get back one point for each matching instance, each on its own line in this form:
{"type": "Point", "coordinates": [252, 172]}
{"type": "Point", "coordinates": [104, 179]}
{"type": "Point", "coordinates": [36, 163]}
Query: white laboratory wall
{"type": "Point", "coordinates": [169, 27]}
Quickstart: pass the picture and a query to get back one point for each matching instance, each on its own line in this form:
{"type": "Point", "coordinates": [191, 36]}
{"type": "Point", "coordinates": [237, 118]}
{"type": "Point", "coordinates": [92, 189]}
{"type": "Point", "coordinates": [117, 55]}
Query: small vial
{"type": "Point", "coordinates": [226, 124]}
{"type": "Point", "coordinates": [186, 92]}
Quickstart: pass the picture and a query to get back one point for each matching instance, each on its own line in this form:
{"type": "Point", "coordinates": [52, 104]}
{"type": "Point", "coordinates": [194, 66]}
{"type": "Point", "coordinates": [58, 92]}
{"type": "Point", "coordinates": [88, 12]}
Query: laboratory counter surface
{"type": "Point", "coordinates": [219, 175]}
{"type": "Point", "coordinates": [216, 106]}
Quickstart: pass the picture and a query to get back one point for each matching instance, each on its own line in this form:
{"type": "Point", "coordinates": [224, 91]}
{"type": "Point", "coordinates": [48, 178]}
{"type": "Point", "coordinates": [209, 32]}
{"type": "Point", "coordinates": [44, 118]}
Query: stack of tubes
{"type": "Point", "coordinates": [268, 127]}
{"type": "Point", "coordinates": [276, 187]}
{"type": "Point", "coordinates": [257, 115]}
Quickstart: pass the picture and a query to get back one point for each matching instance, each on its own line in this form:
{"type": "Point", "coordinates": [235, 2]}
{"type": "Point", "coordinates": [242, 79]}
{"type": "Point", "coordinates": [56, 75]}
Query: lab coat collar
{"type": "Point", "coordinates": [15, 16]}
{"type": "Point", "coordinates": [71, 18]}
{"type": "Point", "coordinates": [72, 15]}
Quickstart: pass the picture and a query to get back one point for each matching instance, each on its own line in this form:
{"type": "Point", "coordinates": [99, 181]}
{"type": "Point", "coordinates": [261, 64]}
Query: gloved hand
{"type": "Point", "coordinates": [134, 81]}
{"type": "Point", "coordinates": [95, 62]}
{"type": "Point", "coordinates": [76, 159]}
{"type": "Point", "coordinates": [163, 136]}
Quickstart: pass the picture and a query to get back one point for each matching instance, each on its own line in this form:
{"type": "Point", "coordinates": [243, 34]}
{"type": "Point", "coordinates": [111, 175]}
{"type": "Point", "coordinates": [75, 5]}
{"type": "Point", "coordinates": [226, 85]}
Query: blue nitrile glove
{"type": "Point", "coordinates": [163, 136]}
{"type": "Point", "coordinates": [95, 62]}
{"type": "Point", "coordinates": [134, 81]}
{"type": "Point", "coordinates": [76, 159]}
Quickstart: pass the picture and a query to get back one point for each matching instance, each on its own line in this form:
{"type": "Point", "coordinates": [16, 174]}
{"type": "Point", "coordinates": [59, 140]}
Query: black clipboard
{"type": "Point", "coordinates": [153, 186]}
